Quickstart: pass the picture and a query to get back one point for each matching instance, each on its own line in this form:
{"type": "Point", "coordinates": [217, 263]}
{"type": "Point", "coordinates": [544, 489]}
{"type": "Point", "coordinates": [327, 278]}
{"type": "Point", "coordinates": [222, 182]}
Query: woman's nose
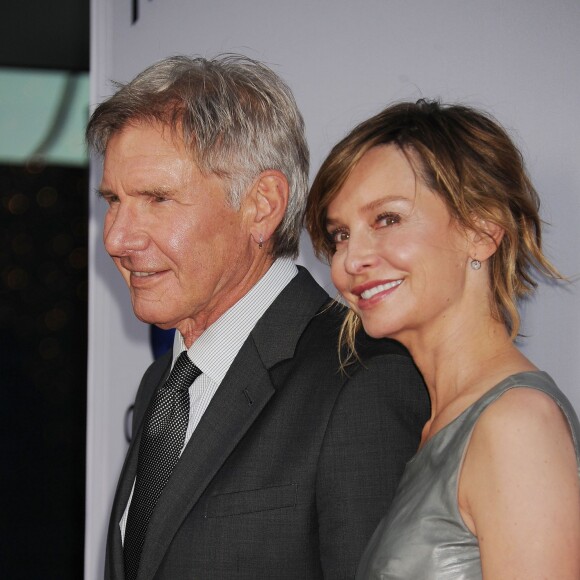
{"type": "Point", "coordinates": [361, 253]}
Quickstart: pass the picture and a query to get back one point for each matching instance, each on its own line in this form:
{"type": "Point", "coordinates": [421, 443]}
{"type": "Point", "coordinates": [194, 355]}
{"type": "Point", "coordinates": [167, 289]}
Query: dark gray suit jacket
{"type": "Point", "coordinates": [292, 465]}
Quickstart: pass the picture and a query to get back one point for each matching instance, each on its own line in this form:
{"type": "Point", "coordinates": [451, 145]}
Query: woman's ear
{"type": "Point", "coordinates": [485, 240]}
{"type": "Point", "coordinates": [267, 202]}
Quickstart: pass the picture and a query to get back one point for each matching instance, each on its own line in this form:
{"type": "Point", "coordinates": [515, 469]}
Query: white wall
{"type": "Point", "coordinates": [345, 60]}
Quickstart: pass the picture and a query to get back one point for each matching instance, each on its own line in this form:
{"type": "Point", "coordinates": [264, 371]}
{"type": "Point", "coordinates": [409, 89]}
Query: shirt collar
{"type": "Point", "coordinates": [217, 347]}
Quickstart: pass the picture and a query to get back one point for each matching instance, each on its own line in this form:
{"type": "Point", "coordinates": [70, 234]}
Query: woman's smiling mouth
{"type": "Point", "coordinates": [370, 292]}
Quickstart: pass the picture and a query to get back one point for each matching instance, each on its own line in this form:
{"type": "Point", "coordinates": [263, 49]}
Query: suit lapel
{"type": "Point", "coordinates": [239, 400]}
{"type": "Point", "coordinates": [151, 382]}
{"type": "Point", "coordinates": [226, 420]}
{"type": "Point", "coordinates": [279, 330]}
{"type": "Point", "coordinates": [114, 545]}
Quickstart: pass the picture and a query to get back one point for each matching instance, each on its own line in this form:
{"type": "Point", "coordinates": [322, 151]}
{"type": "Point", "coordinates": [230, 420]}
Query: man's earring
{"type": "Point", "coordinates": [261, 242]}
{"type": "Point", "coordinates": [475, 264]}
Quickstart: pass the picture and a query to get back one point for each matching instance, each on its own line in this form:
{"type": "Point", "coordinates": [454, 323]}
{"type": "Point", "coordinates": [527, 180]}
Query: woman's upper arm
{"type": "Point", "coordinates": [519, 489]}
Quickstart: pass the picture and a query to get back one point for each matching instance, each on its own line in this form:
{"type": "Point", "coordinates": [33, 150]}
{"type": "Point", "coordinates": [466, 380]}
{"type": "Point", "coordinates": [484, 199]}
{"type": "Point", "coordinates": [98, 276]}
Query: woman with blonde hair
{"type": "Point", "coordinates": [432, 228]}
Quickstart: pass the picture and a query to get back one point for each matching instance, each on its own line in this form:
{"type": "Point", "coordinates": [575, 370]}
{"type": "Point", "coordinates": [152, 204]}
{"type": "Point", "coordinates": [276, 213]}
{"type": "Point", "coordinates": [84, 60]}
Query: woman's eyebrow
{"type": "Point", "coordinates": [375, 203]}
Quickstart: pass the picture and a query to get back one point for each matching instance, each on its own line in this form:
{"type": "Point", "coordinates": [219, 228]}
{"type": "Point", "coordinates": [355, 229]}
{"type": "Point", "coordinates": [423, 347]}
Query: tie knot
{"type": "Point", "coordinates": [183, 374]}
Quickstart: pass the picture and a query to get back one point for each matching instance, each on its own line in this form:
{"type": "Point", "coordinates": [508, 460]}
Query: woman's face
{"type": "Point", "coordinates": [401, 261]}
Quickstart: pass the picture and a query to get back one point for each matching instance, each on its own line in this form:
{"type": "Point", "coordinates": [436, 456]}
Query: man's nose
{"type": "Point", "coordinates": [123, 232]}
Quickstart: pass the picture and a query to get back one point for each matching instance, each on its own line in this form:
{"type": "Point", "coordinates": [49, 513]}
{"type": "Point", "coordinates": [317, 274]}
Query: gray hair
{"type": "Point", "coordinates": [236, 117]}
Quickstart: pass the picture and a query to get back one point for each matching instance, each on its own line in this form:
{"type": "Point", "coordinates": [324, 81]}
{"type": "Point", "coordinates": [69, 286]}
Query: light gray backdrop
{"type": "Point", "coordinates": [345, 60]}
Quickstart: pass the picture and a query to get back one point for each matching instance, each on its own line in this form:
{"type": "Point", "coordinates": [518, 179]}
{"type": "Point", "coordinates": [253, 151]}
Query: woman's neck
{"type": "Point", "coordinates": [460, 363]}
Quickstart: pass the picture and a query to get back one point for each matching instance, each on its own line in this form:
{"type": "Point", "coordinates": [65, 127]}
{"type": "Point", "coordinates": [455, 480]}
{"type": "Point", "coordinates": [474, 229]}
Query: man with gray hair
{"type": "Point", "coordinates": [254, 456]}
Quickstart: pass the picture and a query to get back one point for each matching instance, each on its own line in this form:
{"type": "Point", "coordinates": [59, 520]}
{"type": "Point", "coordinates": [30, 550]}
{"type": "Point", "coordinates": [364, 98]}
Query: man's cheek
{"type": "Point", "coordinates": [124, 272]}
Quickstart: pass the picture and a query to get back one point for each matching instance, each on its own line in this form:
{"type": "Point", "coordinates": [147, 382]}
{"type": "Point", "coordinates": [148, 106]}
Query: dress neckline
{"type": "Point", "coordinates": [498, 386]}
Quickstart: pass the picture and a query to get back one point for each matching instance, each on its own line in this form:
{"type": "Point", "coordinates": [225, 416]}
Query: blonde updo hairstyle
{"type": "Point", "coordinates": [468, 159]}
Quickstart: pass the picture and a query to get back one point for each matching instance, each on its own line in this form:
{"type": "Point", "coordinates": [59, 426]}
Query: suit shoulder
{"type": "Point", "coordinates": [384, 360]}
{"type": "Point", "coordinates": [367, 347]}
{"type": "Point", "coordinates": [326, 324]}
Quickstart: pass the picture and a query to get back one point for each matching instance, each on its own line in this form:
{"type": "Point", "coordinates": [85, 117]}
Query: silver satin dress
{"type": "Point", "coordinates": [423, 537]}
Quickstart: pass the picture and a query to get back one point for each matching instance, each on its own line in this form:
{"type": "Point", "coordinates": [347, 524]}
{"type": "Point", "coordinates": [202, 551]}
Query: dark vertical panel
{"type": "Point", "coordinates": [45, 34]}
{"type": "Point", "coordinates": [43, 329]}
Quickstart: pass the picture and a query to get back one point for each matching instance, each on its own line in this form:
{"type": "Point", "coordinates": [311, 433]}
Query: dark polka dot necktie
{"type": "Point", "coordinates": [161, 443]}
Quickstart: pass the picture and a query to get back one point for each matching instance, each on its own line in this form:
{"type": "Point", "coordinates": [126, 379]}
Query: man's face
{"type": "Point", "coordinates": [183, 251]}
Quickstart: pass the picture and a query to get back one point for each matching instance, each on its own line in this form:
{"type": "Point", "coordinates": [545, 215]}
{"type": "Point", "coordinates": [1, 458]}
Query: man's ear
{"type": "Point", "coordinates": [485, 242]}
{"type": "Point", "coordinates": [267, 202]}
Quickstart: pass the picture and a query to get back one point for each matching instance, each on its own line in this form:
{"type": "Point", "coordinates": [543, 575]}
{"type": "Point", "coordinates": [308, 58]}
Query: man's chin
{"type": "Point", "coordinates": [150, 317]}
{"type": "Point", "coordinates": [163, 325]}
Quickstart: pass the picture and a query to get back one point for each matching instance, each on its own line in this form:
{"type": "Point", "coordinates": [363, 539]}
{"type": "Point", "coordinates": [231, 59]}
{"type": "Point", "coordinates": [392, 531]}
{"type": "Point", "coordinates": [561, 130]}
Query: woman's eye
{"type": "Point", "coordinates": [338, 236]}
{"type": "Point", "coordinates": [388, 219]}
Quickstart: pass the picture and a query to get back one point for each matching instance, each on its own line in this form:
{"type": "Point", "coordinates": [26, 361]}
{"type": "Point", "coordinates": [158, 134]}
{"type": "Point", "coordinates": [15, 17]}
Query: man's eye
{"type": "Point", "coordinates": [111, 199]}
{"type": "Point", "coordinates": [388, 219]}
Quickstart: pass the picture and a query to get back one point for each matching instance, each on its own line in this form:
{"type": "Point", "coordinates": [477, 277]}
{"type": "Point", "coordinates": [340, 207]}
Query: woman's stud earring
{"type": "Point", "coordinates": [475, 264]}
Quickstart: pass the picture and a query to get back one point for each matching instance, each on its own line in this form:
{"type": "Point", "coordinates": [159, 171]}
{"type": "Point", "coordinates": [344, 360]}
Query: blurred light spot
{"type": "Point", "coordinates": [55, 319]}
{"type": "Point", "coordinates": [61, 244]}
{"type": "Point", "coordinates": [55, 280]}
{"type": "Point", "coordinates": [47, 197]}
{"type": "Point", "coordinates": [16, 279]}
{"type": "Point", "coordinates": [78, 258]}
{"type": "Point", "coordinates": [79, 227]}
{"type": "Point", "coordinates": [22, 244]}
{"type": "Point", "coordinates": [35, 166]}
{"type": "Point", "coordinates": [18, 204]}
{"type": "Point", "coordinates": [49, 348]}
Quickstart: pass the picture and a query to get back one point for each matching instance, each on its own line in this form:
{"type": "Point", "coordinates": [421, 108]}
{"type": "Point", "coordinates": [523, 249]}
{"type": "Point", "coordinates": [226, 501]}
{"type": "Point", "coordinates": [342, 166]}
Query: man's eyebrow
{"type": "Point", "coordinates": [155, 192]}
{"type": "Point", "coordinates": [102, 192]}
